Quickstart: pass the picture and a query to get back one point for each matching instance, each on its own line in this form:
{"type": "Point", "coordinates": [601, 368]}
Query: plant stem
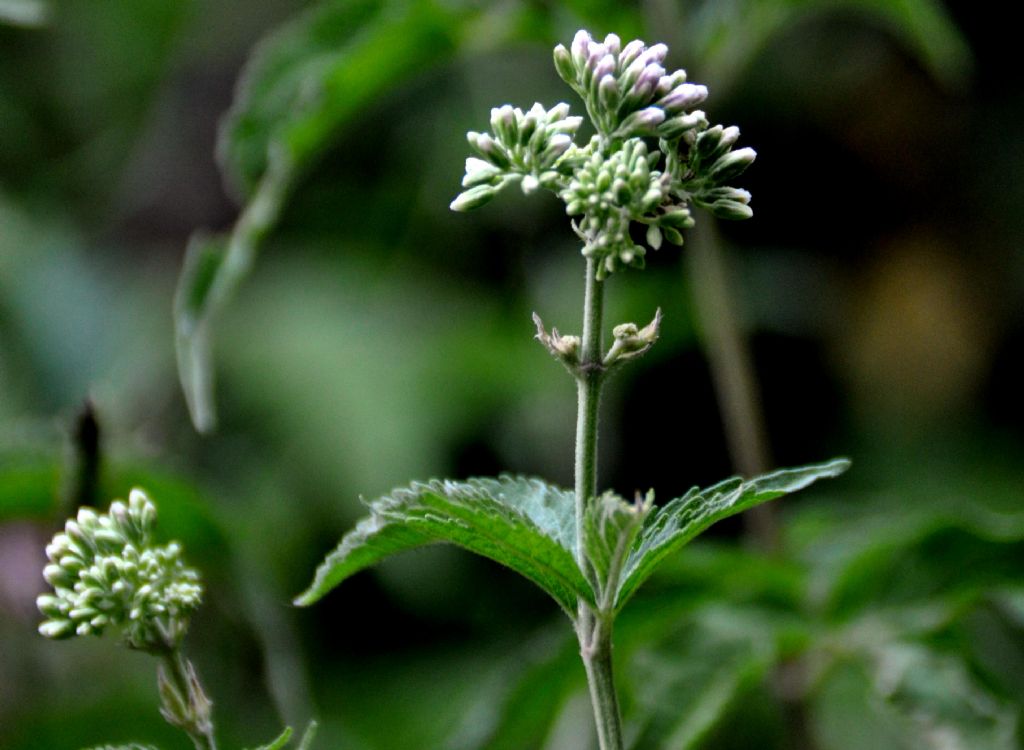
{"type": "Point", "coordinates": [192, 710]}
{"type": "Point", "coordinates": [594, 629]}
{"type": "Point", "coordinates": [588, 390]}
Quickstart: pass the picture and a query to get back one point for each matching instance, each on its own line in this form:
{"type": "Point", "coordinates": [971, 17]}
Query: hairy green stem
{"type": "Point", "coordinates": [588, 383]}
{"type": "Point", "coordinates": [594, 629]}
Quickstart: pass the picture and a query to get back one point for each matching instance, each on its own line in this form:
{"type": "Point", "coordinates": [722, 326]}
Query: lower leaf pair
{"type": "Point", "coordinates": [529, 526]}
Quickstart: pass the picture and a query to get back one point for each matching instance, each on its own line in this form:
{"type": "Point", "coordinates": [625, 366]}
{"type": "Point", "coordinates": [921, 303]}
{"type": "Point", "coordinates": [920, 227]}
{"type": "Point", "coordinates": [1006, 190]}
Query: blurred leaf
{"type": "Point", "coordinates": [534, 684]}
{"type": "Point", "coordinates": [29, 13]}
{"type": "Point", "coordinates": [671, 526]}
{"type": "Point", "coordinates": [524, 524]}
{"type": "Point", "coordinates": [941, 704]}
{"type": "Point", "coordinates": [302, 85]}
{"type": "Point", "coordinates": [938, 543]}
{"type": "Point", "coordinates": [688, 682]}
{"type": "Point", "coordinates": [132, 746]}
{"type": "Point", "coordinates": [310, 77]}
{"type": "Point", "coordinates": [727, 36]}
{"type": "Point", "coordinates": [28, 486]}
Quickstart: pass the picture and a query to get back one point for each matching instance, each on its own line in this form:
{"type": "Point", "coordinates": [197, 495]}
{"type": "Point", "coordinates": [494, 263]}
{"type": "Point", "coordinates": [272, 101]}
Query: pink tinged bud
{"type": "Point", "coordinates": [613, 43]}
{"type": "Point", "coordinates": [581, 47]}
{"type": "Point", "coordinates": [670, 81]}
{"type": "Point", "coordinates": [657, 52]}
{"type": "Point", "coordinates": [683, 97]}
{"type": "Point", "coordinates": [642, 122]}
{"type": "Point", "coordinates": [673, 128]}
{"type": "Point", "coordinates": [604, 67]}
{"type": "Point", "coordinates": [630, 52]}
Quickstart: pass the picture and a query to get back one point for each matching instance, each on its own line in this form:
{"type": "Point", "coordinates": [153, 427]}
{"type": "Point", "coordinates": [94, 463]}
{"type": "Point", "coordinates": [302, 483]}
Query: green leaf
{"type": "Point", "coordinates": [524, 524]}
{"type": "Point", "coordinates": [132, 746]}
{"type": "Point", "coordinates": [301, 86]}
{"type": "Point", "coordinates": [670, 527]}
{"type": "Point", "coordinates": [281, 741]}
{"type": "Point", "coordinates": [610, 526]}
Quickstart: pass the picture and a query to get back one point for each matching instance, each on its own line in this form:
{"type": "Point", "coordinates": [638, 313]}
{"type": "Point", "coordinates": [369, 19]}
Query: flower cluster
{"type": "Point", "coordinates": [523, 146]}
{"type": "Point", "coordinates": [610, 192]}
{"type": "Point", "coordinates": [627, 90]}
{"type": "Point", "coordinates": [706, 167]}
{"type": "Point", "coordinates": [106, 571]}
{"type": "Point", "coordinates": [653, 154]}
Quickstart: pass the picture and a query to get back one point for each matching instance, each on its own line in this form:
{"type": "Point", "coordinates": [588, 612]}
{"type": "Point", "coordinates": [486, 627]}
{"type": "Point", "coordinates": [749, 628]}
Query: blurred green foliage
{"type": "Point", "coordinates": [378, 339]}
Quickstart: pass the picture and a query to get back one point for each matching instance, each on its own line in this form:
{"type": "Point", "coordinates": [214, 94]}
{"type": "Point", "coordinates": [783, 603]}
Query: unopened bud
{"type": "Point", "coordinates": [732, 165]}
{"type": "Point", "coordinates": [473, 198]}
{"type": "Point", "coordinates": [564, 65]}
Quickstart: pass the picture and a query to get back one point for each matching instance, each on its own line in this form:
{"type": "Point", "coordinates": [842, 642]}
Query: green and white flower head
{"type": "Point", "coordinates": [610, 192]}
{"type": "Point", "coordinates": [525, 147]}
{"type": "Point", "coordinates": [106, 571]}
{"type": "Point", "coordinates": [653, 156]}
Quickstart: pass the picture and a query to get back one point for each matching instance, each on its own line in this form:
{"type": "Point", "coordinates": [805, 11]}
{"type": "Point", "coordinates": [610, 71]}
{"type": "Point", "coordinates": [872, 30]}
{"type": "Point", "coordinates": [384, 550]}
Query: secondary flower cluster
{"type": "Point", "coordinates": [526, 146]}
{"type": "Point", "coordinates": [618, 179]}
{"type": "Point", "coordinates": [106, 571]}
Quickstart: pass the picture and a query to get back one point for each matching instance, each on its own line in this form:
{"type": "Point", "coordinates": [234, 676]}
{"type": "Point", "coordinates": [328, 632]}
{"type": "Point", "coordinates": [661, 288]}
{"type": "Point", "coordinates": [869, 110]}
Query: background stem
{"type": "Point", "coordinates": [732, 371]}
{"type": "Point", "coordinates": [739, 398]}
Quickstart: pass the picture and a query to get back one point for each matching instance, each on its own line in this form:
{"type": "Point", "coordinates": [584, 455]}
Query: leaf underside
{"type": "Point", "coordinates": [524, 524]}
{"type": "Point", "coordinates": [671, 526]}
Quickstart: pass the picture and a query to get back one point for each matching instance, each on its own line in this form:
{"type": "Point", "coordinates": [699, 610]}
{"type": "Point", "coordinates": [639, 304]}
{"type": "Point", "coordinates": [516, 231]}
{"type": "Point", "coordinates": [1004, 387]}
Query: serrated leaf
{"type": "Point", "coordinates": [670, 527]}
{"type": "Point", "coordinates": [524, 524]}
